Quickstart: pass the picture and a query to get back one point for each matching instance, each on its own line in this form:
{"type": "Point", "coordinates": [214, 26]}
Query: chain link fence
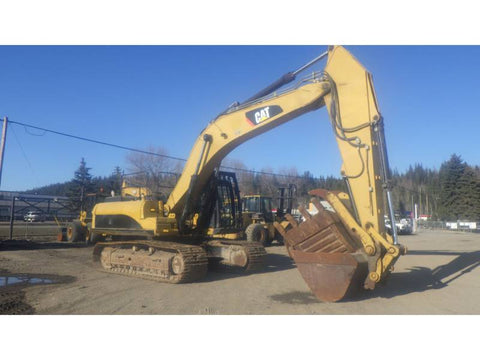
{"type": "Point", "coordinates": [452, 226]}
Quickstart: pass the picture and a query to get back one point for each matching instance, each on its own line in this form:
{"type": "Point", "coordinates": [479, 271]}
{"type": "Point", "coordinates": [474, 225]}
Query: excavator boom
{"type": "Point", "coordinates": [238, 125]}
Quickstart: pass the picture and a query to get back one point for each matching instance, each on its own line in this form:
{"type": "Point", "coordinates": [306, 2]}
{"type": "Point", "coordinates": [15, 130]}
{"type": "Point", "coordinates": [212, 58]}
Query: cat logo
{"type": "Point", "coordinates": [257, 116]}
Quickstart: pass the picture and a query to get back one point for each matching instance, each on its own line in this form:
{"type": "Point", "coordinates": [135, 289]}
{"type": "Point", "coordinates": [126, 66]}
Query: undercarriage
{"type": "Point", "coordinates": [173, 262]}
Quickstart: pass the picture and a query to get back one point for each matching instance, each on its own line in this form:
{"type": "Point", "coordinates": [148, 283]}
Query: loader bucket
{"type": "Point", "coordinates": [329, 257]}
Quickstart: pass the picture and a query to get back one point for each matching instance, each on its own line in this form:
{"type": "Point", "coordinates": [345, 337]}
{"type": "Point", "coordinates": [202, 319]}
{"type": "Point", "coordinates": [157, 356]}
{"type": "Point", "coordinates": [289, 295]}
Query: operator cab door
{"type": "Point", "coordinates": [227, 215]}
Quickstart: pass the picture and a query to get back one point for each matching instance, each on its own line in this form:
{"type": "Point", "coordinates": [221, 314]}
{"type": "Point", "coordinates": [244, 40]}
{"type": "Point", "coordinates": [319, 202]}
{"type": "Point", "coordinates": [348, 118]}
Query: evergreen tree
{"type": "Point", "coordinates": [469, 191]}
{"type": "Point", "coordinates": [79, 187]}
{"type": "Point", "coordinates": [451, 199]}
{"type": "Point", "coordinates": [116, 180]}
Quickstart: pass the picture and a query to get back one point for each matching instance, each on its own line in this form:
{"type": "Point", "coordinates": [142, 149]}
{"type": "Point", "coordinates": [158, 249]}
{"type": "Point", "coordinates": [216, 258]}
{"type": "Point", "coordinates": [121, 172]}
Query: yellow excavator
{"type": "Point", "coordinates": [335, 251]}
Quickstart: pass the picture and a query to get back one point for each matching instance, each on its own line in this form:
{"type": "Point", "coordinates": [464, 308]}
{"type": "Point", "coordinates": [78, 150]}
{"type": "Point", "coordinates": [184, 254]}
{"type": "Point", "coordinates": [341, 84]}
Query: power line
{"type": "Point", "coordinates": [95, 141]}
{"type": "Point", "coordinates": [142, 151]}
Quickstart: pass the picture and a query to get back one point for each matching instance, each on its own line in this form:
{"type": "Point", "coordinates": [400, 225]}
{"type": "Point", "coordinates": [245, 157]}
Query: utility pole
{"type": "Point", "coordinates": [2, 145]}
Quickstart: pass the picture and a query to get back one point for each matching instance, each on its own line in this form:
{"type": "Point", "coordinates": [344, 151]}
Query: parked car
{"type": "Point", "coordinates": [404, 226]}
{"type": "Point", "coordinates": [33, 216]}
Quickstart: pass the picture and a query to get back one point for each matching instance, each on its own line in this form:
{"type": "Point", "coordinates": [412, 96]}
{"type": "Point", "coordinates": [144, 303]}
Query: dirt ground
{"type": "Point", "coordinates": [439, 275]}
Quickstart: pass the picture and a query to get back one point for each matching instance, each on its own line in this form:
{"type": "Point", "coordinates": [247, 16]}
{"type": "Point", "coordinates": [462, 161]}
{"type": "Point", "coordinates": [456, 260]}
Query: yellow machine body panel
{"type": "Point", "coordinates": [135, 215]}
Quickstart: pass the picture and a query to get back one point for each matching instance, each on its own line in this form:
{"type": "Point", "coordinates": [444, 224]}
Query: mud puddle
{"type": "Point", "coordinates": [12, 294]}
{"type": "Point", "coordinates": [24, 280]}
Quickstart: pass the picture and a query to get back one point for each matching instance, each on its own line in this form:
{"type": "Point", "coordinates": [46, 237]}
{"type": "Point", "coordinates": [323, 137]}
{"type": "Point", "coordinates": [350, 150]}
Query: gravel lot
{"type": "Point", "coordinates": [439, 275]}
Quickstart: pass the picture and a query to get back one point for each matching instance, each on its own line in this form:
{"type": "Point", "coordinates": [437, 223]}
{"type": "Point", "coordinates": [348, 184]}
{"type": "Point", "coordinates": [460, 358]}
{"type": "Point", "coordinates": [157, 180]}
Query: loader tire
{"type": "Point", "coordinates": [75, 232]}
{"type": "Point", "coordinates": [257, 233]}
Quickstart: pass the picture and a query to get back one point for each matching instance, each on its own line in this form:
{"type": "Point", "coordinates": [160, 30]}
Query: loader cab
{"type": "Point", "coordinates": [258, 206]}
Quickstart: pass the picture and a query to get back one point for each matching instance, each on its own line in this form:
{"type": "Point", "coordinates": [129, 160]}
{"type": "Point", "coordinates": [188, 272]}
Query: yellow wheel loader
{"type": "Point", "coordinates": [78, 230]}
{"type": "Point", "coordinates": [259, 217]}
{"type": "Point", "coordinates": [336, 252]}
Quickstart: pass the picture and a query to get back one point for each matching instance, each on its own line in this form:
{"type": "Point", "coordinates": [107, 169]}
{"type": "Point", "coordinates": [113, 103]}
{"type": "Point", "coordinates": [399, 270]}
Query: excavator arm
{"type": "Point", "coordinates": [358, 128]}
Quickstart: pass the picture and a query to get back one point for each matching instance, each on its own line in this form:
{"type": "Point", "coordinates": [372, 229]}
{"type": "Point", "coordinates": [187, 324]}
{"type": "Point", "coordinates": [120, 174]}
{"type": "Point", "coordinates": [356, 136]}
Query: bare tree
{"type": "Point", "coordinates": [246, 179]}
{"type": "Point", "coordinates": [158, 173]}
{"type": "Point", "coordinates": [264, 182]}
{"type": "Point", "coordinates": [289, 176]}
{"type": "Point", "coordinates": [268, 183]}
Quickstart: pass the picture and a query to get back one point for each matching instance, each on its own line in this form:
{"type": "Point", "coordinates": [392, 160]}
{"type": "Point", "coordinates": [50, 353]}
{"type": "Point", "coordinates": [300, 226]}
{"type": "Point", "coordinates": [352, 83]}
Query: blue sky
{"type": "Point", "coordinates": [139, 96]}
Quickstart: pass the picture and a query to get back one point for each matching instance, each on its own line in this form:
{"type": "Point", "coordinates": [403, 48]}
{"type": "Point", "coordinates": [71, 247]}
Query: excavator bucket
{"type": "Point", "coordinates": [331, 277]}
{"type": "Point", "coordinates": [328, 256]}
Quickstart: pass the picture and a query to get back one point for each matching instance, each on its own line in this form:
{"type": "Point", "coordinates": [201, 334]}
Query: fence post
{"type": "Point", "coordinates": [12, 216]}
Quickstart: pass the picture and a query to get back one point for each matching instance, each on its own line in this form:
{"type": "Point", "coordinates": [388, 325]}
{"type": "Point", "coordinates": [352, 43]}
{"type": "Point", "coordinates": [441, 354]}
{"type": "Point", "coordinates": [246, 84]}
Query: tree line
{"type": "Point", "coordinates": [449, 194]}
